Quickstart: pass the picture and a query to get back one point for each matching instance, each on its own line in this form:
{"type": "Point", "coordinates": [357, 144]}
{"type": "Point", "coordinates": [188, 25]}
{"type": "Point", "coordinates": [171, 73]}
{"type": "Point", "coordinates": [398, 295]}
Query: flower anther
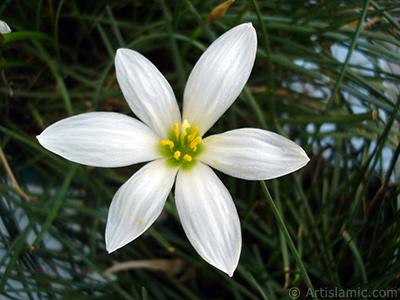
{"type": "Point", "coordinates": [182, 146]}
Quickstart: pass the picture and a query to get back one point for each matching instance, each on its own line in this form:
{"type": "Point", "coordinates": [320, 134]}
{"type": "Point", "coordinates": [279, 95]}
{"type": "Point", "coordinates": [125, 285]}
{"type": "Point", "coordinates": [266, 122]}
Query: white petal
{"type": "Point", "coordinates": [138, 203]}
{"type": "Point", "coordinates": [252, 154]}
{"type": "Point", "coordinates": [101, 139]}
{"type": "Point", "coordinates": [219, 76]}
{"type": "Point", "coordinates": [209, 217]}
{"type": "Point", "coordinates": [147, 92]}
{"type": "Point", "coordinates": [4, 28]}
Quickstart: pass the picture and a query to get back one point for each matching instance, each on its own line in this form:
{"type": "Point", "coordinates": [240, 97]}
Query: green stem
{"type": "Point", "coordinates": [358, 259]}
{"type": "Point", "coordinates": [346, 63]}
{"type": "Point", "coordinates": [386, 15]}
{"type": "Point", "coordinates": [253, 103]}
{"type": "Point", "coordinates": [271, 82]}
{"type": "Point", "coordinates": [25, 35]}
{"type": "Point", "coordinates": [55, 68]}
{"type": "Point", "coordinates": [200, 20]}
{"type": "Point", "coordinates": [174, 47]}
{"type": "Point", "coordinates": [289, 240]}
{"type": "Point", "coordinates": [56, 207]}
{"type": "Point", "coordinates": [282, 240]}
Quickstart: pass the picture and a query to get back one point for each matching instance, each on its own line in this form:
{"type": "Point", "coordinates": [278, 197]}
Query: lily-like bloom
{"type": "Point", "coordinates": [175, 147]}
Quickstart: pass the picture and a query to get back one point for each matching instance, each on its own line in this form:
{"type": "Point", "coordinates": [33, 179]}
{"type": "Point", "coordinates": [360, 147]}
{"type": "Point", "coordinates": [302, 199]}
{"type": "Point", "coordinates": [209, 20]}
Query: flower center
{"type": "Point", "coordinates": [183, 145]}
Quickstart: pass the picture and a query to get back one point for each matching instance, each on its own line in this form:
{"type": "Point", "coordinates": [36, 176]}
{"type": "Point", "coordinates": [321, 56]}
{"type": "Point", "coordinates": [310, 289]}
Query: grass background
{"type": "Point", "coordinates": [326, 76]}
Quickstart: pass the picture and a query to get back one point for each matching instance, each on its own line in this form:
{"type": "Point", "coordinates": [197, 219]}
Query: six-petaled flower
{"type": "Point", "coordinates": [176, 149]}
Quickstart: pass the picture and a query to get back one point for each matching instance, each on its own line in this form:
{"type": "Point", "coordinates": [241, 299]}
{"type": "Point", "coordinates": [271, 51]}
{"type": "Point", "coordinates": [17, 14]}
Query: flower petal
{"type": "Point", "coordinates": [101, 139]}
{"type": "Point", "coordinates": [252, 154]}
{"type": "Point", "coordinates": [138, 203]}
{"type": "Point", "coordinates": [209, 217]}
{"type": "Point", "coordinates": [147, 92]}
{"type": "Point", "coordinates": [219, 76]}
{"type": "Point", "coordinates": [4, 28]}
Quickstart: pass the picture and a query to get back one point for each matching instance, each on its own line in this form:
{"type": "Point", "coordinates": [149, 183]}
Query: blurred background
{"type": "Point", "coordinates": [326, 75]}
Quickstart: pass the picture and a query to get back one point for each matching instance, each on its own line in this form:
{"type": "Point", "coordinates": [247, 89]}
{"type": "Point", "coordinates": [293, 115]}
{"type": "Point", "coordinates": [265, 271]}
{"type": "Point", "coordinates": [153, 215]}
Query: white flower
{"type": "Point", "coordinates": [175, 148]}
{"type": "Point", "coordinates": [4, 28]}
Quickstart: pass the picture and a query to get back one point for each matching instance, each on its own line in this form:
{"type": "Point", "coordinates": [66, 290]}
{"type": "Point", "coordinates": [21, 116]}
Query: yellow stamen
{"type": "Point", "coordinates": [193, 134]}
{"type": "Point", "coordinates": [195, 142]}
{"type": "Point", "coordinates": [167, 143]}
{"type": "Point", "coordinates": [187, 157]}
{"type": "Point", "coordinates": [185, 125]}
{"type": "Point", "coordinates": [177, 154]}
{"type": "Point", "coordinates": [176, 129]}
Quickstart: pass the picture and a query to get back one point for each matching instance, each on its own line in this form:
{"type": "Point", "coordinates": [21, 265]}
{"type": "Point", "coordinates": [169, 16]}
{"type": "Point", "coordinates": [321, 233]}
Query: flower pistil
{"type": "Point", "coordinates": [183, 146]}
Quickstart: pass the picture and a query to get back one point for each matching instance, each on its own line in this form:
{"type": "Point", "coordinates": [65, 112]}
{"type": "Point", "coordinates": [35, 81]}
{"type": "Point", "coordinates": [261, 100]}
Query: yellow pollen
{"type": "Point", "coordinates": [193, 134]}
{"type": "Point", "coordinates": [176, 129]}
{"type": "Point", "coordinates": [185, 125]}
{"type": "Point", "coordinates": [167, 143]}
{"type": "Point", "coordinates": [187, 157]}
{"type": "Point", "coordinates": [177, 154]}
{"type": "Point", "coordinates": [183, 144]}
{"type": "Point", "coordinates": [195, 142]}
